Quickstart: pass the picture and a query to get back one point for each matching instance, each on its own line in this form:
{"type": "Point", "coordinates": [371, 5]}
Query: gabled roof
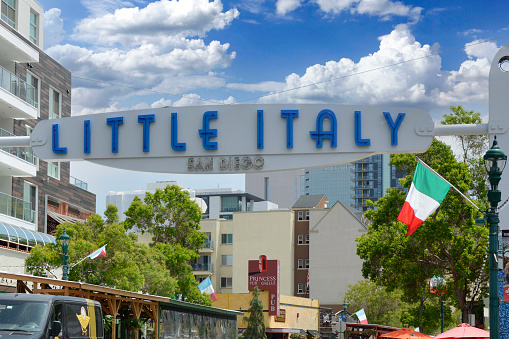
{"type": "Point", "coordinates": [308, 201]}
{"type": "Point", "coordinates": [359, 215]}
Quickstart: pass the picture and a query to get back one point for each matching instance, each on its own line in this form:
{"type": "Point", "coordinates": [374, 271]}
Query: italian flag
{"type": "Point", "coordinates": [427, 192]}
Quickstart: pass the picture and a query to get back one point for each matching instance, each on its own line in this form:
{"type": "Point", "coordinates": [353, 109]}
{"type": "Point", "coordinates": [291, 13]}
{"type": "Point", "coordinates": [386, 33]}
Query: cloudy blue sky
{"type": "Point", "coordinates": [130, 54]}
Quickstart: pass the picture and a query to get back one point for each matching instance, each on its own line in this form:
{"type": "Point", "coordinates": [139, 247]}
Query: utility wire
{"type": "Point", "coordinates": [299, 87]}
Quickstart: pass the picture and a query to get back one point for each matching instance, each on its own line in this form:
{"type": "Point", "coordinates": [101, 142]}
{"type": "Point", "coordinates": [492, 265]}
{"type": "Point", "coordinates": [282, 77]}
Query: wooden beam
{"type": "Point", "coordinates": [137, 307]}
{"type": "Point", "coordinates": [21, 287]}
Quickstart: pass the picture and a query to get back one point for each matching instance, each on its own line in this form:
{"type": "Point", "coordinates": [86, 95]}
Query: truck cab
{"type": "Point", "coordinates": [35, 316]}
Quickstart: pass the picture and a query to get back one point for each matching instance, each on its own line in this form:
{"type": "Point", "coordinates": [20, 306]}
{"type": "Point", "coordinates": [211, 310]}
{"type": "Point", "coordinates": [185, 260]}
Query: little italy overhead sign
{"type": "Point", "coordinates": [234, 138]}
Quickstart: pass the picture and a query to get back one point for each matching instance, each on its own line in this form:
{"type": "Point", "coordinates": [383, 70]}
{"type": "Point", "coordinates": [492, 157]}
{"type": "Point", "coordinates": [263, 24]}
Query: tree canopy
{"type": "Point", "coordinates": [391, 308]}
{"type": "Point", "coordinates": [162, 268]}
{"type": "Point", "coordinates": [448, 244]}
{"type": "Point", "coordinates": [170, 216]}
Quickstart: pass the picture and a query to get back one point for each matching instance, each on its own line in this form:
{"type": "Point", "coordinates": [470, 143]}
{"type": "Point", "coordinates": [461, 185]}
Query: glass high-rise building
{"type": "Point", "coordinates": [351, 183]}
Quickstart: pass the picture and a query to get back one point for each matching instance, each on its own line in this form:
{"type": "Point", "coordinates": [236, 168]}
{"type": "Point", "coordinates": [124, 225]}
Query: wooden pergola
{"type": "Point", "coordinates": [110, 299]}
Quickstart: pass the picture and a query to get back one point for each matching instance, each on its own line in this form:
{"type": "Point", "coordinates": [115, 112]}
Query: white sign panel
{"type": "Point", "coordinates": [233, 138]}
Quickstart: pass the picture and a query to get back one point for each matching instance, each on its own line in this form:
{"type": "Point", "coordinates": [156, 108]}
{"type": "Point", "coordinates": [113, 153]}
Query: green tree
{"type": "Point", "coordinates": [173, 220]}
{"type": "Point", "coordinates": [118, 269]}
{"type": "Point", "coordinates": [160, 270]}
{"type": "Point", "coordinates": [471, 149]}
{"type": "Point", "coordinates": [255, 328]}
{"type": "Point", "coordinates": [448, 243]}
{"type": "Point", "coordinates": [170, 216]}
{"type": "Point", "coordinates": [381, 306]}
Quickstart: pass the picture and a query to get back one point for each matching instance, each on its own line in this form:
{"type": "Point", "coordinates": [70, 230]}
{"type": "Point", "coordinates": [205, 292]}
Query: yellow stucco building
{"type": "Point", "coordinates": [298, 315]}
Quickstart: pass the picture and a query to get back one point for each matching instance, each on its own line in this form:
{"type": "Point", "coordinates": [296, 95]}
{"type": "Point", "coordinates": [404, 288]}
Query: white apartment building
{"type": "Point", "coordinates": [35, 196]}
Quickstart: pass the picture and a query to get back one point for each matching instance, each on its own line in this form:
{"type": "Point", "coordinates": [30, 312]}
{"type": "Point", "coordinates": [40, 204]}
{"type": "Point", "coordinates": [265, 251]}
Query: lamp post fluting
{"type": "Point", "coordinates": [65, 240]}
{"type": "Point", "coordinates": [495, 160]}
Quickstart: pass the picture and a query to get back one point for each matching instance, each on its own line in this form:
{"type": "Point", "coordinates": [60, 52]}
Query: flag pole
{"type": "Point", "coordinates": [78, 262]}
{"type": "Point", "coordinates": [441, 177]}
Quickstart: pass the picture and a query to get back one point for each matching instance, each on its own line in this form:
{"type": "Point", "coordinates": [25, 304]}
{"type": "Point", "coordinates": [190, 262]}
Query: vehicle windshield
{"type": "Point", "coordinates": [23, 315]}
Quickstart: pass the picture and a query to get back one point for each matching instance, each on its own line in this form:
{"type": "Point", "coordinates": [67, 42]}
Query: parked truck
{"type": "Point", "coordinates": [38, 316]}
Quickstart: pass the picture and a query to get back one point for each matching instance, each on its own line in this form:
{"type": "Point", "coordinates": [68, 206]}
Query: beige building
{"type": "Point", "coordinates": [334, 263]}
{"type": "Point", "coordinates": [232, 243]}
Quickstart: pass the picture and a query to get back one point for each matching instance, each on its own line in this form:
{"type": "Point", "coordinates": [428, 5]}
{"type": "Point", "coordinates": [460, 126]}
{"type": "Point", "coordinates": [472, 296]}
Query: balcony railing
{"type": "Point", "coordinates": [17, 87]}
{"type": "Point", "coordinates": [16, 208]}
{"type": "Point", "coordinates": [24, 153]}
{"type": "Point", "coordinates": [202, 267]}
{"type": "Point", "coordinates": [77, 182]}
{"type": "Point", "coordinates": [209, 244]}
{"type": "Point", "coordinates": [231, 209]}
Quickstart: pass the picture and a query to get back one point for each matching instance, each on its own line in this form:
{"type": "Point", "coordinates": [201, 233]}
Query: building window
{"type": "Point", "coordinates": [54, 170]}
{"type": "Point", "coordinates": [299, 288]}
{"type": "Point", "coordinates": [54, 104]}
{"type": "Point", "coordinates": [231, 204]}
{"type": "Point", "coordinates": [227, 260]}
{"type": "Point", "coordinates": [34, 19]}
{"type": "Point", "coordinates": [9, 12]}
{"type": "Point", "coordinates": [306, 263]}
{"type": "Point", "coordinates": [300, 215]}
{"type": "Point", "coordinates": [307, 215]}
{"type": "Point", "coordinates": [307, 239]}
{"type": "Point", "coordinates": [299, 263]}
{"type": "Point", "coordinates": [226, 216]}
{"type": "Point", "coordinates": [227, 238]}
{"type": "Point", "coordinates": [226, 282]}
{"type": "Point", "coordinates": [33, 92]}
{"type": "Point", "coordinates": [30, 201]}
{"type": "Point", "coordinates": [299, 239]}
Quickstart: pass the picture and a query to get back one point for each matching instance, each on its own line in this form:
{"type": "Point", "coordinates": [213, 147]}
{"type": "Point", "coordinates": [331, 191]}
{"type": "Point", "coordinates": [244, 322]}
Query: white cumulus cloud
{"type": "Point", "coordinates": [53, 27]}
{"type": "Point", "coordinates": [285, 6]}
{"type": "Point", "coordinates": [384, 9]}
{"type": "Point", "coordinates": [130, 26]}
{"type": "Point", "coordinates": [401, 72]}
{"type": "Point", "coordinates": [153, 48]}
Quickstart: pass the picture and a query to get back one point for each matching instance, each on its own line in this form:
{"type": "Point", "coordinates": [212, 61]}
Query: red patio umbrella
{"type": "Point", "coordinates": [405, 333]}
{"type": "Point", "coordinates": [464, 331]}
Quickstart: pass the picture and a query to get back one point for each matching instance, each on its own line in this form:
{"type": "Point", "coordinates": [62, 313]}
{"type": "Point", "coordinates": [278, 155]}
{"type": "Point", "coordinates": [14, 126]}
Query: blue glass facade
{"type": "Point", "coordinates": [353, 183]}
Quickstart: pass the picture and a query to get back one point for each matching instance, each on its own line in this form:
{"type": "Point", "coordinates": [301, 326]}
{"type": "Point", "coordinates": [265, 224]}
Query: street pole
{"type": "Point", "coordinates": [441, 314]}
{"type": "Point", "coordinates": [65, 240]}
{"type": "Point", "coordinates": [495, 160]}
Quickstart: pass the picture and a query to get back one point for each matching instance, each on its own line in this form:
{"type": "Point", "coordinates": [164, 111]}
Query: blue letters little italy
{"type": "Point", "coordinates": [233, 138]}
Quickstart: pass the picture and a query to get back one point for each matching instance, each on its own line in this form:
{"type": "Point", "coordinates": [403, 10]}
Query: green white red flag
{"type": "Point", "coordinates": [427, 192]}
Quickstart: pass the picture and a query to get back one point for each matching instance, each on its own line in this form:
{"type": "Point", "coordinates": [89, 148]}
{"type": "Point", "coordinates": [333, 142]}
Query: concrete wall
{"type": "Point", "coordinates": [282, 186]}
{"type": "Point", "coordinates": [270, 233]}
{"type": "Point", "coordinates": [23, 19]}
{"type": "Point", "coordinates": [334, 263]}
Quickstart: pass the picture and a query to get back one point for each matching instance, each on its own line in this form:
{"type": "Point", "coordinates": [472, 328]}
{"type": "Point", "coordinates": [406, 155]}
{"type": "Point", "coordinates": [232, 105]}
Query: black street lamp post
{"type": "Point", "coordinates": [65, 240]}
{"type": "Point", "coordinates": [495, 160]}
{"type": "Point", "coordinates": [437, 286]}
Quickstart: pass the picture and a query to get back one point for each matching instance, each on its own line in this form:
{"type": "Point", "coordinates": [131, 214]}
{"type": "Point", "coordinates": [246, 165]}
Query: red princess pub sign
{"type": "Point", "coordinates": [264, 274]}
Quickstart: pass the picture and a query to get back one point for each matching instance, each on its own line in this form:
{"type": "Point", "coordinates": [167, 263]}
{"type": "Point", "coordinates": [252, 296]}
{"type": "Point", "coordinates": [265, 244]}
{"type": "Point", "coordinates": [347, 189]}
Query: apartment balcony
{"type": "Point", "coordinates": [208, 247]}
{"type": "Point", "coordinates": [202, 269]}
{"type": "Point", "coordinates": [17, 161]}
{"type": "Point", "coordinates": [16, 208]}
{"type": "Point", "coordinates": [78, 183]}
{"type": "Point", "coordinates": [14, 49]}
{"type": "Point", "coordinates": [17, 98]}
